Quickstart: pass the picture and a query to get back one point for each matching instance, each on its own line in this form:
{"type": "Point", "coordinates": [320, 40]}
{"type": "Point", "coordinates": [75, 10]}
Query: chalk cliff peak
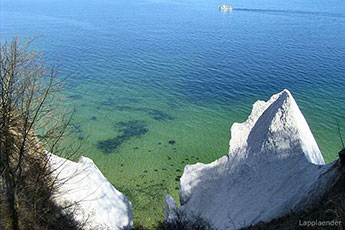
{"type": "Point", "coordinates": [274, 166]}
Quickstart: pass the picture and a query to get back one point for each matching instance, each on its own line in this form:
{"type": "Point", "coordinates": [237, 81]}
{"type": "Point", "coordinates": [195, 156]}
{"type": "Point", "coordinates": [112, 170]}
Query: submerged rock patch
{"type": "Point", "coordinates": [128, 130]}
{"type": "Point", "coordinates": [172, 142]}
{"type": "Point", "coordinates": [160, 115]}
{"type": "Point", "coordinates": [116, 101]}
{"type": "Point", "coordinates": [124, 108]}
{"type": "Point", "coordinates": [75, 96]}
{"type": "Point", "coordinates": [75, 129]}
{"type": "Point", "coordinates": [153, 113]}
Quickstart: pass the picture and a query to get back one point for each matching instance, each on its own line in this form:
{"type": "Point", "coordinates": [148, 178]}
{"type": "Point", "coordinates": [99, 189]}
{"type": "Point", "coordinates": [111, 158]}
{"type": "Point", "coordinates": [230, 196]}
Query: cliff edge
{"type": "Point", "coordinates": [273, 167]}
{"type": "Point", "coordinates": [98, 202]}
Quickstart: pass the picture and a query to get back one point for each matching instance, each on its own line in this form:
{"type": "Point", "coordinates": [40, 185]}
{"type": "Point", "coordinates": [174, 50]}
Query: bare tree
{"type": "Point", "coordinates": [31, 121]}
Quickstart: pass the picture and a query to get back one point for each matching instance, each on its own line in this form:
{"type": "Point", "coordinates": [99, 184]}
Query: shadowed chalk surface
{"type": "Point", "coordinates": [98, 201]}
{"type": "Point", "coordinates": [273, 167]}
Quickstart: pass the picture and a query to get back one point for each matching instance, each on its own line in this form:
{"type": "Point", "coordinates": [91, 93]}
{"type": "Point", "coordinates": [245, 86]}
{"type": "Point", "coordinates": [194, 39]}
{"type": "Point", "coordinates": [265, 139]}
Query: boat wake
{"type": "Point", "coordinates": [291, 12]}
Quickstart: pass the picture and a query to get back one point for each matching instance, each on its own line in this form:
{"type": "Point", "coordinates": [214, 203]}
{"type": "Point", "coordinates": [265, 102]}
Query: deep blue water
{"type": "Point", "coordinates": [201, 67]}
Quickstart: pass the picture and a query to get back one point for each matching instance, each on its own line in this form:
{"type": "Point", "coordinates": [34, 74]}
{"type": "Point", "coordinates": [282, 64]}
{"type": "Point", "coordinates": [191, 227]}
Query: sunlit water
{"type": "Point", "coordinates": [158, 84]}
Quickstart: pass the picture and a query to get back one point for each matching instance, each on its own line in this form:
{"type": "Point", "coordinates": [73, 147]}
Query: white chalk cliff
{"type": "Point", "coordinates": [273, 167]}
{"type": "Point", "coordinates": [98, 201]}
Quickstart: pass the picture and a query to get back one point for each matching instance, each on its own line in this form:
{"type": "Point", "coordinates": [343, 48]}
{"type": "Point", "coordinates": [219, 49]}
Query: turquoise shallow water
{"type": "Point", "coordinates": [146, 73]}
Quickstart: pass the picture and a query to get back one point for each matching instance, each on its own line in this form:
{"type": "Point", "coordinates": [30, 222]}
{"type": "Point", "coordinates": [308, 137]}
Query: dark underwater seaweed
{"type": "Point", "coordinates": [160, 115]}
{"type": "Point", "coordinates": [128, 99]}
{"type": "Point", "coordinates": [117, 101]}
{"type": "Point", "coordinates": [154, 113]}
{"type": "Point", "coordinates": [75, 128]}
{"type": "Point", "coordinates": [109, 145]}
{"type": "Point", "coordinates": [172, 105]}
{"type": "Point", "coordinates": [135, 128]}
{"type": "Point", "coordinates": [128, 130]}
{"type": "Point", "coordinates": [75, 96]}
{"type": "Point", "coordinates": [125, 108]}
{"type": "Point", "coordinates": [108, 102]}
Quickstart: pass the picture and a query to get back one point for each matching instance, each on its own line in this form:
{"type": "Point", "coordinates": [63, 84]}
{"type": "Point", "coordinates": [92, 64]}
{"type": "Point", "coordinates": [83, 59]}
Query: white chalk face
{"type": "Point", "coordinates": [97, 200]}
{"type": "Point", "coordinates": [273, 159]}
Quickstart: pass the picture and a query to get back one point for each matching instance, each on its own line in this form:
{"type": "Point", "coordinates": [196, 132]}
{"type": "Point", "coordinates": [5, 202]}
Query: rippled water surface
{"type": "Point", "coordinates": [157, 84]}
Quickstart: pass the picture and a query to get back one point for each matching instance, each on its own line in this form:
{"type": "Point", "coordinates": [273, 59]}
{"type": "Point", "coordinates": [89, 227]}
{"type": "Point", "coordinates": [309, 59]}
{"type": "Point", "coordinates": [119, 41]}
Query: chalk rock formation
{"type": "Point", "coordinates": [170, 208]}
{"type": "Point", "coordinates": [98, 201]}
{"type": "Point", "coordinates": [274, 166]}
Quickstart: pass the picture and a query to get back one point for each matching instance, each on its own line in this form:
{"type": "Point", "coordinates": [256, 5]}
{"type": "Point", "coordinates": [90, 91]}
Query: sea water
{"type": "Point", "coordinates": [157, 84]}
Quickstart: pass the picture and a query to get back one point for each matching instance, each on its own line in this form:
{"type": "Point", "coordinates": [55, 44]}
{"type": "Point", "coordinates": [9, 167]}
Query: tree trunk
{"type": "Point", "coordinates": [11, 197]}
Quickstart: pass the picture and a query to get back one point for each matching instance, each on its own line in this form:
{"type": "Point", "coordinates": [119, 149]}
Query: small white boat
{"type": "Point", "coordinates": [225, 8]}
